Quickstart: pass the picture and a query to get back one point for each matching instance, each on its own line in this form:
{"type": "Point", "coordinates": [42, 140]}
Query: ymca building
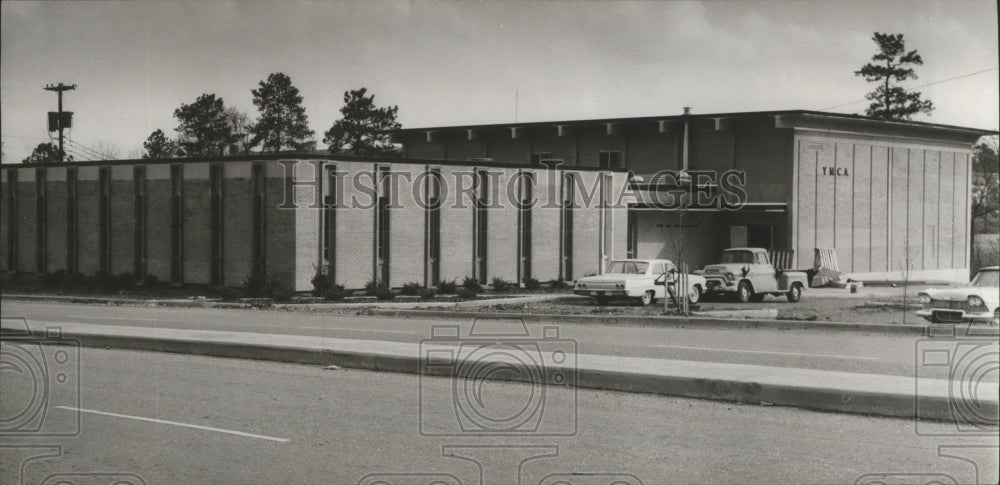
{"type": "Point", "coordinates": [885, 195]}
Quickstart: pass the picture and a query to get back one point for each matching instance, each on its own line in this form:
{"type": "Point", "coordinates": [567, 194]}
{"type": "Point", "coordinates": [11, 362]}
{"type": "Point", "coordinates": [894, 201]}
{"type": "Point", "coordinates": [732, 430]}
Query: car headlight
{"type": "Point", "coordinates": [620, 285]}
{"type": "Point", "coordinates": [924, 298]}
{"type": "Point", "coordinates": [975, 301]}
{"type": "Point", "coordinates": [730, 277]}
{"type": "Point", "coordinates": [581, 285]}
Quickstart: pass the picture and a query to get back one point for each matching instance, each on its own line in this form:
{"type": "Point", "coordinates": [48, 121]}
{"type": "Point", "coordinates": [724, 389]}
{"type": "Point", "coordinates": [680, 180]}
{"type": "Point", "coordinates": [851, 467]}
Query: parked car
{"type": "Point", "coordinates": [636, 278]}
{"type": "Point", "coordinates": [978, 302]}
{"type": "Point", "coordinates": [748, 273]}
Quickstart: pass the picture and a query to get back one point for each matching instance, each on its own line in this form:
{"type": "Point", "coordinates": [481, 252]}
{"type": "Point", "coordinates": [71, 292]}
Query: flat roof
{"type": "Point", "coordinates": [738, 114]}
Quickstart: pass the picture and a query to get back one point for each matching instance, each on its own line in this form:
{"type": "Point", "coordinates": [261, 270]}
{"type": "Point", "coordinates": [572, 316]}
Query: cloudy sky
{"type": "Point", "coordinates": [461, 62]}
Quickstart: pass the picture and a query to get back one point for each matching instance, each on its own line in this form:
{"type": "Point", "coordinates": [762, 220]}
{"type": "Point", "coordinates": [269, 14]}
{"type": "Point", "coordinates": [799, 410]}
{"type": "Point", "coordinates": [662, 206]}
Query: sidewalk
{"type": "Point", "coordinates": [874, 394]}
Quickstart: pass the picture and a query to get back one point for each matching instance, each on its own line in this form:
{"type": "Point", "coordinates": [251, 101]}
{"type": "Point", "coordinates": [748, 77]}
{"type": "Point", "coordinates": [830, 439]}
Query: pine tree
{"type": "Point", "coordinates": [890, 66]}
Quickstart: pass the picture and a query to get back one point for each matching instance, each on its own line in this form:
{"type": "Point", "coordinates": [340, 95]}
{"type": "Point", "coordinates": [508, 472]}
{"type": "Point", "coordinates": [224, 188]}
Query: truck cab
{"type": "Point", "coordinates": [749, 274]}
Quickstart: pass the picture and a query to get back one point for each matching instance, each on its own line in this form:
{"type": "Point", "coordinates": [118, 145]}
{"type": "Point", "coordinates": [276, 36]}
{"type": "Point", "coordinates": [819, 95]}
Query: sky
{"type": "Point", "coordinates": [475, 62]}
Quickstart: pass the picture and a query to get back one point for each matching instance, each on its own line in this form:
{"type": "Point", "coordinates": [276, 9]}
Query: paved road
{"type": "Point", "coordinates": [168, 418]}
{"type": "Point", "coordinates": [849, 352]}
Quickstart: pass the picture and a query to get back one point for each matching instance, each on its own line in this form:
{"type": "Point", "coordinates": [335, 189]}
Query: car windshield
{"type": "Point", "coordinates": [736, 257]}
{"type": "Point", "coordinates": [987, 279]}
{"type": "Point", "coordinates": [628, 267]}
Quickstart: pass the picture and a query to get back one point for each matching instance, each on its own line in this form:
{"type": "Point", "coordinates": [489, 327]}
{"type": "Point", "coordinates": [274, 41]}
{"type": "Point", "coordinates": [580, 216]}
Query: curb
{"type": "Point", "coordinates": [869, 394]}
{"type": "Point", "coordinates": [690, 322]}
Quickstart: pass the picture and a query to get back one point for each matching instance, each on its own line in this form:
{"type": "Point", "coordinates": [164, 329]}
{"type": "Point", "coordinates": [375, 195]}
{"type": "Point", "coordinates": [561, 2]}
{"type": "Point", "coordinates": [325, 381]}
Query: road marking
{"type": "Point", "coordinates": [799, 354]}
{"type": "Point", "coordinates": [358, 329]}
{"type": "Point", "coordinates": [183, 425]}
{"type": "Point", "coordinates": [115, 318]}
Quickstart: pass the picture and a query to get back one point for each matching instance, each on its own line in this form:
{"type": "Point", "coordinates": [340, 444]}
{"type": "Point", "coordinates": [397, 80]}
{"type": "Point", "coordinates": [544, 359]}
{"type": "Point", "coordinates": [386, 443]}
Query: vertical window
{"type": "Point", "coordinates": [330, 225]}
{"type": "Point", "coordinates": [382, 226]}
{"type": "Point", "coordinates": [104, 220]}
{"type": "Point", "coordinates": [41, 220]}
{"type": "Point", "coordinates": [525, 192]}
{"type": "Point", "coordinates": [216, 274]}
{"type": "Point", "coordinates": [481, 225]}
{"type": "Point", "coordinates": [610, 159]}
{"type": "Point", "coordinates": [72, 243]}
{"type": "Point", "coordinates": [176, 224]}
{"type": "Point", "coordinates": [259, 241]}
{"type": "Point", "coordinates": [139, 222]}
{"type": "Point", "coordinates": [12, 220]}
{"type": "Point", "coordinates": [566, 226]}
{"type": "Point", "coordinates": [434, 202]}
{"type": "Point", "coordinates": [632, 234]}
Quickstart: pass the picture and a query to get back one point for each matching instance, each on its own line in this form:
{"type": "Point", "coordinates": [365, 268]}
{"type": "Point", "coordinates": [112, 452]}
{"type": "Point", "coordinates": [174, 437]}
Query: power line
{"type": "Point", "coordinates": [917, 87]}
{"type": "Point", "coordinates": [82, 147]}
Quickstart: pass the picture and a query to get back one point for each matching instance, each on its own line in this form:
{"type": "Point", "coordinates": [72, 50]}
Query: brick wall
{"type": "Point", "coordinates": [88, 219]}
{"type": "Point", "coordinates": [237, 225]}
{"type": "Point", "coordinates": [406, 247]}
{"type": "Point", "coordinates": [122, 219]}
{"type": "Point", "coordinates": [56, 217]}
{"type": "Point", "coordinates": [545, 223]}
{"type": "Point", "coordinates": [4, 221]}
{"type": "Point", "coordinates": [197, 222]}
{"type": "Point", "coordinates": [456, 227]}
{"type": "Point", "coordinates": [355, 230]}
{"type": "Point", "coordinates": [158, 221]}
{"type": "Point", "coordinates": [26, 225]}
{"type": "Point", "coordinates": [502, 230]}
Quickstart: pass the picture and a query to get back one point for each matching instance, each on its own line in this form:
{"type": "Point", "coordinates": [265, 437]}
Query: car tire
{"type": "Point", "coordinates": [694, 294]}
{"type": "Point", "coordinates": [794, 293]}
{"type": "Point", "coordinates": [647, 298]}
{"type": "Point", "coordinates": [744, 293]}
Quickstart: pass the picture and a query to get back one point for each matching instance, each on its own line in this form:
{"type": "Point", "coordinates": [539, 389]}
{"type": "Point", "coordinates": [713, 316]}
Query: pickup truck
{"type": "Point", "coordinates": [748, 273]}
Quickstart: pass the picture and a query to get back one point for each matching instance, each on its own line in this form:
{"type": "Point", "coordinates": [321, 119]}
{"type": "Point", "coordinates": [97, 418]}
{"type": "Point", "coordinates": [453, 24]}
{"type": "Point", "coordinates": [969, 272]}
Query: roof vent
{"type": "Point", "coordinates": [687, 110]}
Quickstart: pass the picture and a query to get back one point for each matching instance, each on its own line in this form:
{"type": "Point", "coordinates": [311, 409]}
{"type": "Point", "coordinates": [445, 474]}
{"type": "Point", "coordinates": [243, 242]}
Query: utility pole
{"type": "Point", "coordinates": [61, 121]}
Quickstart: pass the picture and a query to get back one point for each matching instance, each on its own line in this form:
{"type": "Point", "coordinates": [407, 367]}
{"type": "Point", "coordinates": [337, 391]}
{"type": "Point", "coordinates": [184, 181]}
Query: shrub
{"type": "Point", "coordinates": [321, 283]}
{"type": "Point", "coordinates": [124, 281]}
{"type": "Point", "coordinates": [531, 284]}
{"type": "Point", "coordinates": [470, 283]}
{"type": "Point", "coordinates": [558, 284]}
{"type": "Point", "coordinates": [447, 287]}
{"type": "Point", "coordinates": [277, 290]}
{"type": "Point", "coordinates": [467, 293]}
{"type": "Point", "coordinates": [427, 293]}
{"type": "Point", "coordinates": [372, 286]}
{"type": "Point", "coordinates": [335, 293]}
{"type": "Point", "coordinates": [383, 293]}
{"type": "Point", "coordinates": [411, 289]}
{"type": "Point", "coordinates": [254, 284]}
{"type": "Point", "coordinates": [76, 281]}
{"type": "Point", "coordinates": [501, 285]}
{"type": "Point", "coordinates": [151, 281]}
{"type": "Point", "coordinates": [54, 279]}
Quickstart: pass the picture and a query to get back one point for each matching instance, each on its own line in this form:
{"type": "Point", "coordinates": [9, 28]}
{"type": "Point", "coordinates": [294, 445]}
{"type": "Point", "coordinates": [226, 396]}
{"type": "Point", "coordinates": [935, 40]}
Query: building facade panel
{"type": "Point", "coordinates": [355, 234]}
{"type": "Point", "coordinates": [88, 217]}
{"type": "Point", "coordinates": [457, 228]}
{"type": "Point", "coordinates": [932, 220]}
{"type": "Point", "coordinates": [27, 223]}
{"type": "Point", "coordinates": [237, 227]}
{"type": "Point", "coordinates": [197, 220]}
{"type": "Point", "coordinates": [407, 252]}
{"type": "Point", "coordinates": [946, 208]}
{"type": "Point", "coordinates": [5, 221]}
{"type": "Point", "coordinates": [122, 220]}
{"type": "Point", "coordinates": [915, 210]}
{"type": "Point", "coordinates": [861, 212]}
{"type": "Point", "coordinates": [502, 230]}
{"type": "Point", "coordinates": [879, 210]}
{"type": "Point", "coordinates": [158, 221]}
{"type": "Point", "coordinates": [843, 204]}
{"type": "Point", "coordinates": [56, 219]}
{"type": "Point", "coordinates": [545, 222]}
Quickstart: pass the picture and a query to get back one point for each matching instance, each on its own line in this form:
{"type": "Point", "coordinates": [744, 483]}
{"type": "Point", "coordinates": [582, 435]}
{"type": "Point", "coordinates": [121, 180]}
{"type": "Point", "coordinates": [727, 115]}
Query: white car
{"type": "Point", "coordinates": [978, 302]}
{"type": "Point", "coordinates": [636, 278]}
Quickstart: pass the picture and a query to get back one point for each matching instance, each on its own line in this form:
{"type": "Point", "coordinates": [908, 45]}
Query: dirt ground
{"type": "Point", "coordinates": [810, 308]}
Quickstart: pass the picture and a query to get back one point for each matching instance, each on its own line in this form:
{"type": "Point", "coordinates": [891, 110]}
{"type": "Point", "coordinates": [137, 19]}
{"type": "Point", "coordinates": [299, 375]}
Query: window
{"type": "Point", "coordinates": [12, 220]}
{"type": "Point", "coordinates": [525, 187]}
{"type": "Point", "coordinates": [632, 234]}
{"type": "Point", "coordinates": [610, 159]}
{"type": "Point", "coordinates": [104, 220]}
{"type": "Point", "coordinates": [382, 226]}
{"type": "Point", "coordinates": [330, 224]}
{"type": "Point", "coordinates": [217, 224]}
{"type": "Point", "coordinates": [176, 224]}
{"type": "Point", "coordinates": [481, 225]}
{"type": "Point", "coordinates": [760, 236]}
{"type": "Point", "coordinates": [41, 221]}
{"type": "Point", "coordinates": [259, 239]}
{"type": "Point", "coordinates": [537, 157]}
{"type": "Point", "coordinates": [139, 222]}
{"type": "Point", "coordinates": [433, 234]}
{"type": "Point", "coordinates": [72, 243]}
{"type": "Point", "coordinates": [566, 227]}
